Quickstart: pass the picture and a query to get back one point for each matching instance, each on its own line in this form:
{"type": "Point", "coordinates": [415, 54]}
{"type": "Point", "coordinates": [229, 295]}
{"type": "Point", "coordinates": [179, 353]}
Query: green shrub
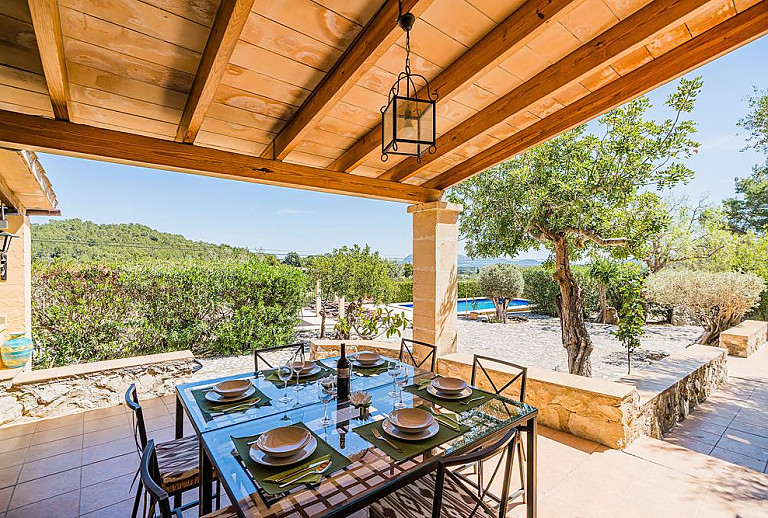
{"type": "Point", "coordinates": [541, 289]}
{"type": "Point", "coordinates": [95, 311]}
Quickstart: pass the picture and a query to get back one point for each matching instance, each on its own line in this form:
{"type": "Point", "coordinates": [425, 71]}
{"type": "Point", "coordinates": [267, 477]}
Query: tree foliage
{"type": "Point", "coordinates": [581, 190]}
{"type": "Point", "coordinates": [692, 233]}
{"type": "Point", "coordinates": [756, 122]}
{"type": "Point", "coordinates": [627, 291]}
{"type": "Point", "coordinates": [501, 282]}
{"type": "Point", "coordinates": [748, 210]}
{"type": "Point", "coordinates": [718, 299]}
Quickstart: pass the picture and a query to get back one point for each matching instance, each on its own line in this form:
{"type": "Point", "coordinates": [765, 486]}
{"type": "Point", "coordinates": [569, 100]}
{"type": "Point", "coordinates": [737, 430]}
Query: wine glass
{"type": "Point", "coordinates": [352, 356]}
{"type": "Point", "coordinates": [298, 365]}
{"type": "Point", "coordinates": [392, 367]}
{"type": "Point", "coordinates": [285, 373]}
{"type": "Point", "coordinates": [325, 394]}
{"type": "Point", "coordinates": [401, 378]}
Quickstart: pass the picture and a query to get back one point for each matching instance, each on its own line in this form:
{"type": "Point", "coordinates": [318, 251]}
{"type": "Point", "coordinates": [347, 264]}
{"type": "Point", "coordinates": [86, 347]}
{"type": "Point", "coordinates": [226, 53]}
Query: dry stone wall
{"type": "Point", "coordinates": [76, 388]}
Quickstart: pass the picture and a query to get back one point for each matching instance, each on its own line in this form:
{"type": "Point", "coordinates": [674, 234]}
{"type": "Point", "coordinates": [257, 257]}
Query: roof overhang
{"type": "Point", "coordinates": [24, 186]}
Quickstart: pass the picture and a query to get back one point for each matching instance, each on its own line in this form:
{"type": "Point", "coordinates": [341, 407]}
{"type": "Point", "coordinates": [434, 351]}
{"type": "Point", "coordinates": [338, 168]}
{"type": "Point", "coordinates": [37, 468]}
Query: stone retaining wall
{"type": "Point", "coordinates": [675, 386]}
{"type": "Point", "coordinates": [611, 413]}
{"type": "Point", "coordinates": [76, 388]}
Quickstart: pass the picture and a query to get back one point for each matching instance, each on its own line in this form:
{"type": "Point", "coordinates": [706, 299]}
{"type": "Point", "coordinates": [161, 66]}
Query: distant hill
{"type": "Point", "coordinates": [85, 240]}
{"type": "Point", "coordinates": [466, 262]}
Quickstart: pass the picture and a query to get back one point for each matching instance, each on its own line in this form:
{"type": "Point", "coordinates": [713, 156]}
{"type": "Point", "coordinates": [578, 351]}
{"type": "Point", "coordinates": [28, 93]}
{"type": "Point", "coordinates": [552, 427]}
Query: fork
{"type": "Point", "coordinates": [318, 470]}
{"type": "Point", "coordinates": [378, 435]}
{"type": "Point", "coordinates": [468, 401]}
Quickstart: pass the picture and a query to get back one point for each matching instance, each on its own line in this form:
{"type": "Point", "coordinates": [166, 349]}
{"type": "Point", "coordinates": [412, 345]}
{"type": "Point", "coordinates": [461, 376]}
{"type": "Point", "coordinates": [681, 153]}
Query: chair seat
{"type": "Point", "coordinates": [415, 501]}
{"type": "Point", "coordinates": [227, 512]}
{"type": "Point", "coordinates": [179, 464]}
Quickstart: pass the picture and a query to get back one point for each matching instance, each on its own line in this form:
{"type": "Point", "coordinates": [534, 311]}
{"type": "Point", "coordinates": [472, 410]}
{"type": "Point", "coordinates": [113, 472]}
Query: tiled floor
{"type": "Point", "coordinates": [83, 466]}
{"type": "Point", "coordinates": [733, 423]}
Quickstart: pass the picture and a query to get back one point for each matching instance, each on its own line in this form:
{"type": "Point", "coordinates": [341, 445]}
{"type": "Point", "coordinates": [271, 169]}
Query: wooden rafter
{"type": "Point", "coordinates": [373, 41]}
{"type": "Point", "coordinates": [225, 33]}
{"type": "Point", "coordinates": [38, 133]}
{"type": "Point", "coordinates": [618, 41]}
{"type": "Point", "coordinates": [513, 33]}
{"type": "Point", "coordinates": [50, 45]}
{"type": "Point", "coordinates": [721, 39]}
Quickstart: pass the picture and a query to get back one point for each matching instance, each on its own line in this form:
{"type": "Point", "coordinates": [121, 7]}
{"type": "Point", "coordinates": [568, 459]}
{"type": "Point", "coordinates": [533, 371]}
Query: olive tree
{"type": "Point", "coordinates": [718, 299]}
{"type": "Point", "coordinates": [578, 191]}
{"type": "Point", "coordinates": [501, 283]}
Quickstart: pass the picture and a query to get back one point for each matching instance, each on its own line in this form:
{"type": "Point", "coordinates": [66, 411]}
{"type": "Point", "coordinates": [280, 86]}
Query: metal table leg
{"type": "Point", "coordinates": [206, 483]}
{"type": "Point", "coordinates": [179, 418]}
{"type": "Point", "coordinates": [531, 475]}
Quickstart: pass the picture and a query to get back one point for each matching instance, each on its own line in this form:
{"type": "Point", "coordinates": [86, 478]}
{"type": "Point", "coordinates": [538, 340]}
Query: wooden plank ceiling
{"type": "Point", "coordinates": [291, 90]}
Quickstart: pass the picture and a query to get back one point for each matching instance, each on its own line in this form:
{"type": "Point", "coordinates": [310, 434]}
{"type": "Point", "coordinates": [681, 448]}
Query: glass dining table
{"type": "Point", "coordinates": [372, 469]}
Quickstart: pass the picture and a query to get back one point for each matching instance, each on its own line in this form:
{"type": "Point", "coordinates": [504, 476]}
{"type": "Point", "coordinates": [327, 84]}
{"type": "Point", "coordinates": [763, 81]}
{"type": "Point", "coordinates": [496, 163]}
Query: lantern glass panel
{"type": "Point", "coordinates": [408, 125]}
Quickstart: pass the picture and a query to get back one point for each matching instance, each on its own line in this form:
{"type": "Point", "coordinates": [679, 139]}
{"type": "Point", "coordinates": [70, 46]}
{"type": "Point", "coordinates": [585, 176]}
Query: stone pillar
{"type": "Point", "coordinates": [16, 292]}
{"type": "Point", "coordinates": [435, 273]}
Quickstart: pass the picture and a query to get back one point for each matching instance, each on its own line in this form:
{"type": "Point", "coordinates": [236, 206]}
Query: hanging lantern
{"type": "Point", "coordinates": [408, 119]}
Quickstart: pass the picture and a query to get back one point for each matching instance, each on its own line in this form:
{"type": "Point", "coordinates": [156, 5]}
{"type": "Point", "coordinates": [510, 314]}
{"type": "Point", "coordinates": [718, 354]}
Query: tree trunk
{"type": "Point", "coordinates": [574, 331]}
{"type": "Point", "coordinates": [600, 319]}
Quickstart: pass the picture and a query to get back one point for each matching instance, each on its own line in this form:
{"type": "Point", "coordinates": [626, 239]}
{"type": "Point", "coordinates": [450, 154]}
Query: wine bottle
{"type": "Point", "coordinates": [342, 374]}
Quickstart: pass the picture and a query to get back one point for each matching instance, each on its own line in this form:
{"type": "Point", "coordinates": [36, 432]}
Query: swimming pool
{"type": "Point", "coordinates": [479, 304]}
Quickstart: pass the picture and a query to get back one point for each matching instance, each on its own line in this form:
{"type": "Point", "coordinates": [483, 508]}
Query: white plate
{"type": "Point", "coordinates": [215, 397]}
{"type": "Point", "coordinates": [378, 362]}
{"type": "Point", "coordinates": [461, 395]}
{"type": "Point", "coordinates": [262, 458]}
{"type": "Point", "coordinates": [390, 429]}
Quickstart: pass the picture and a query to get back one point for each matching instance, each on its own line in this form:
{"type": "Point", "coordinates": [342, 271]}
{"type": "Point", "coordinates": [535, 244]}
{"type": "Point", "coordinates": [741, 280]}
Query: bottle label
{"type": "Point", "coordinates": [343, 373]}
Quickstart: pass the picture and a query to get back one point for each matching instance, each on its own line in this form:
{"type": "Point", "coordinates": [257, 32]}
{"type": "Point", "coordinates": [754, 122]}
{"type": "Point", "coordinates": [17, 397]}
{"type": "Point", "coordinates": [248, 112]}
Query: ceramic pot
{"type": "Point", "coordinates": [17, 351]}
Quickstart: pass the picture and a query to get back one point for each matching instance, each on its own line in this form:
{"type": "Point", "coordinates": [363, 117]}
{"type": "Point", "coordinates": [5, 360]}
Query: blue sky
{"type": "Point", "coordinates": [274, 218]}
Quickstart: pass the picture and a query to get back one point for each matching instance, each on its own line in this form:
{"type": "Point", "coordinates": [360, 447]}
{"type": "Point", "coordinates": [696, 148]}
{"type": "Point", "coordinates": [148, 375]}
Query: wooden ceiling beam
{"type": "Point", "coordinates": [511, 34]}
{"type": "Point", "coordinates": [618, 41]}
{"type": "Point", "coordinates": [38, 133]}
{"type": "Point", "coordinates": [50, 45]}
{"type": "Point", "coordinates": [373, 41]}
{"type": "Point", "coordinates": [225, 33]}
{"type": "Point", "coordinates": [705, 47]}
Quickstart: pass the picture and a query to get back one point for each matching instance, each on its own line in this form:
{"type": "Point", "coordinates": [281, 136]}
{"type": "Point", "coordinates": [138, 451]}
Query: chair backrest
{"type": "Point", "coordinates": [139, 428]}
{"type": "Point", "coordinates": [272, 357]}
{"type": "Point", "coordinates": [148, 471]}
{"type": "Point", "coordinates": [519, 376]}
{"type": "Point", "coordinates": [505, 445]}
{"type": "Point", "coordinates": [418, 354]}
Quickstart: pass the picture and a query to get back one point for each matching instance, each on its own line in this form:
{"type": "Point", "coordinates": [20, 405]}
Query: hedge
{"type": "Point", "coordinates": [541, 289]}
{"type": "Point", "coordinates": [403, 291]}
{"type": "Point", "coordinates": [95, 311]}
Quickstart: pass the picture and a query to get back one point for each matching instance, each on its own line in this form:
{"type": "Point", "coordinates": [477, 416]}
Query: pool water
{"type": "Point", "coordinates": [465, 305]}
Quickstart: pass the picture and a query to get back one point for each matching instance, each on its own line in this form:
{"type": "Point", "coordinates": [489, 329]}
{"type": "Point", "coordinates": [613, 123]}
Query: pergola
{"type": "Point", "coordinates": [288, 92]}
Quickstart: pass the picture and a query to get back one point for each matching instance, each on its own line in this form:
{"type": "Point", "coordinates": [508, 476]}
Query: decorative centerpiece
{"type": "Point", "coordinates": [17, 351]}
{"type": "Point", "coordinates": [362, 401]}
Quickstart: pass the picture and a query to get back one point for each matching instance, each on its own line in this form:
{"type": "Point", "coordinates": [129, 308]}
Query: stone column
{"type": "Point", "coordinates": [16, 292]}
{"type": "Point", "coordinates": [435, 273]}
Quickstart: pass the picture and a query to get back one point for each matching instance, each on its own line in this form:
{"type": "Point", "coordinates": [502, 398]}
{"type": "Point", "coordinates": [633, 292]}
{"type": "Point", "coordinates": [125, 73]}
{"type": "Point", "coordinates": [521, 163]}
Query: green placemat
{"type": "Point", "coordinates": [213, 410]}
{"type": "Point", "coordinates": [409, 448]}
{"type": "Point", "coordinates": [370, 371]}
{"type": "Point", "coordinates": [271, 375]}
{"type": "Point", "coordinates": [454, 405]}
{"type": "Point", "coordinates": [261, 473]}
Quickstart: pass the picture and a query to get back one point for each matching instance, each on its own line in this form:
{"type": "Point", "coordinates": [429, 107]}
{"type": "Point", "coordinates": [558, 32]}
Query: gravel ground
{"type": "Point", "coordinates": [533, 343]}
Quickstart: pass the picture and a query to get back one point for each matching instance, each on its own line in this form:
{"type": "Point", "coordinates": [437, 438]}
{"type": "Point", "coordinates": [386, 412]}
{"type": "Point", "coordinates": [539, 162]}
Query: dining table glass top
{"type": "Point", "coordinates": [203, 421]}
{"type": "Point", "coordinates": [371, 468]}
